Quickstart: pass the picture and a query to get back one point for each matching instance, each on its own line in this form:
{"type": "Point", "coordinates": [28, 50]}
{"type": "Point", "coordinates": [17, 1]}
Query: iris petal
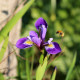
{"type": "Point", "coordinates": [40, 22]}
{"type": "Point", "coordinates": [43, 32]}
{"type": "Point", "coordinates": [33, 34]}
{"type": "Point", "coordinates": [21, 43]}
{"type": "Point", "coordinates": [37, 41]}
{"type": "Point", "coordinates": [53, 48]}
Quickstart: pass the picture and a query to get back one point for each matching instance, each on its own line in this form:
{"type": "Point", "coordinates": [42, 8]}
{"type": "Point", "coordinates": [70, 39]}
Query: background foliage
{"type": "Point", "coordinates": [60, 15]}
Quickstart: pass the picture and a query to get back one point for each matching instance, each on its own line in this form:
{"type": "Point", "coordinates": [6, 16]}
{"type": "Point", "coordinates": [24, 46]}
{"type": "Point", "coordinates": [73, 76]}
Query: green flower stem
{"type": "Point", "coordinates": [42, 51]}
{"type": "Point", "coordinates": [41, 59]}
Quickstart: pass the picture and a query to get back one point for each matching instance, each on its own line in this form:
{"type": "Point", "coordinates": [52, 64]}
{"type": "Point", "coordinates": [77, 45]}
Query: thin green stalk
{"type": "Point", "coordinates": [19, 70]}
{"type": "Point", "coordinates": [32, 65]}
{"type": "Point", "coordinates": [27, 67]}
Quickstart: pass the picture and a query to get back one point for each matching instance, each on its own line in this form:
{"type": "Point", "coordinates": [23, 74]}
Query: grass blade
{"type": "Point", "coordinates": [1, 77]}
{"type": "Point", "coordinates": [7, 28]}
{"type": "Point", "coordinates": [71, 67]}
{"type": "Point", "coordinates": [54, 75]}
{"type": "Point", "coordinates": [3, 49]}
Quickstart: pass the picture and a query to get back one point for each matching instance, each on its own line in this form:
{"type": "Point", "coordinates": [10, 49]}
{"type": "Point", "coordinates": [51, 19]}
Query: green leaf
{"type": "Point", "coordinates": [7, 28]}
{"type": "Point", "coordinates": [1, 77]}
{"type": "Point", "coordinates": [3, 49]}
{"type": "Point", "coordinates": [41, 59]}
{"type": "Point", "coordinates": [71, 67]}
{"type": "Point", "coordinates": [54, 75]}
{"type": "Point", "coordinates": [41, 70]}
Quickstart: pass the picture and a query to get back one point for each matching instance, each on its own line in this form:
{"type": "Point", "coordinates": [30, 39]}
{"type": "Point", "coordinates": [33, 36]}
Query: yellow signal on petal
{"type": "Point", "coordinates": [29, 42]}
{"type": "Point", "coordinates": [50, 45]}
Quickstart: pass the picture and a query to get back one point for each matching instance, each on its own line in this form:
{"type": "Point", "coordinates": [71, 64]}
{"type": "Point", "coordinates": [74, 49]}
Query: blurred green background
{"type": "Point", "coordinates": [60, 15]}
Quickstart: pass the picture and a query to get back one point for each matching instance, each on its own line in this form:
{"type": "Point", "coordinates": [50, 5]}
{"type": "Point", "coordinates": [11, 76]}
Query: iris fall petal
{"type": "Point", "coordinates": [53, 48]}
{"type": "Point", "coordinates": [22, 43]}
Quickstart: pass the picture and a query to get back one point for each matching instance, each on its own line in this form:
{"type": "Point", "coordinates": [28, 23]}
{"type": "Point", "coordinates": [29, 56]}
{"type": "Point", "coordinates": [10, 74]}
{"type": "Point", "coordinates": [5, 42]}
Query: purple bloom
{"type": "Point", "coordinates": [41, 25]}
{"type": "Point", "coordinates": [29, 41]}
{"type": "Point", "coordinates": [33, 39]}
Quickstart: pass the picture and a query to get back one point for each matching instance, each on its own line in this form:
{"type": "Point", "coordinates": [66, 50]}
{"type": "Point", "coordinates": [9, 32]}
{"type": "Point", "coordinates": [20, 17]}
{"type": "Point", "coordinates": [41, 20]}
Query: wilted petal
{"type": "Point", "coordinates": [40, 22]}
{"type": "Point", "coordinates": [23, 43]}
{"type": "Point", "coordinates": [37, 41]}
{"type": "Point", "coordinates": [43, 32]}
{"type": "Point", "coordinates": [33, 34]}
{"type": "Point", "coordinates": [53, 48]}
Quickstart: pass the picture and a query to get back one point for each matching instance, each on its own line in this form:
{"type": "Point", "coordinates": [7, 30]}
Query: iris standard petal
{"type": "Point", "coordinates": [23, 43]}
{"type": "Point", "coordinates": [33, 34]}
{"type": "Point", "coordinates": [53, 48]}
{"type": "Point", "coordinates": [50, 40]}
{"type": "Point", "coordinates": [43, 32]}
{"type": "Point", "coordinates": [37, 41]}
{"type": "Point", "coordinates": [40, 22]}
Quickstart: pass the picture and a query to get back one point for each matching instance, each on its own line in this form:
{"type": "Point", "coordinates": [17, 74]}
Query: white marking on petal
{"type": "Point", "coordinates": [50, 46]}
{"type": "Point", "coordinates": [29, 41]}
{"type": "Point", "coordinates": [49, 41]}
{"type": "Point", "coordinates": [29, 37]}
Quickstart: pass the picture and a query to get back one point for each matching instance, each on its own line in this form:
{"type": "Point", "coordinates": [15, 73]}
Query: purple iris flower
{"type": "Point", "coordinates": [33, 39]}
